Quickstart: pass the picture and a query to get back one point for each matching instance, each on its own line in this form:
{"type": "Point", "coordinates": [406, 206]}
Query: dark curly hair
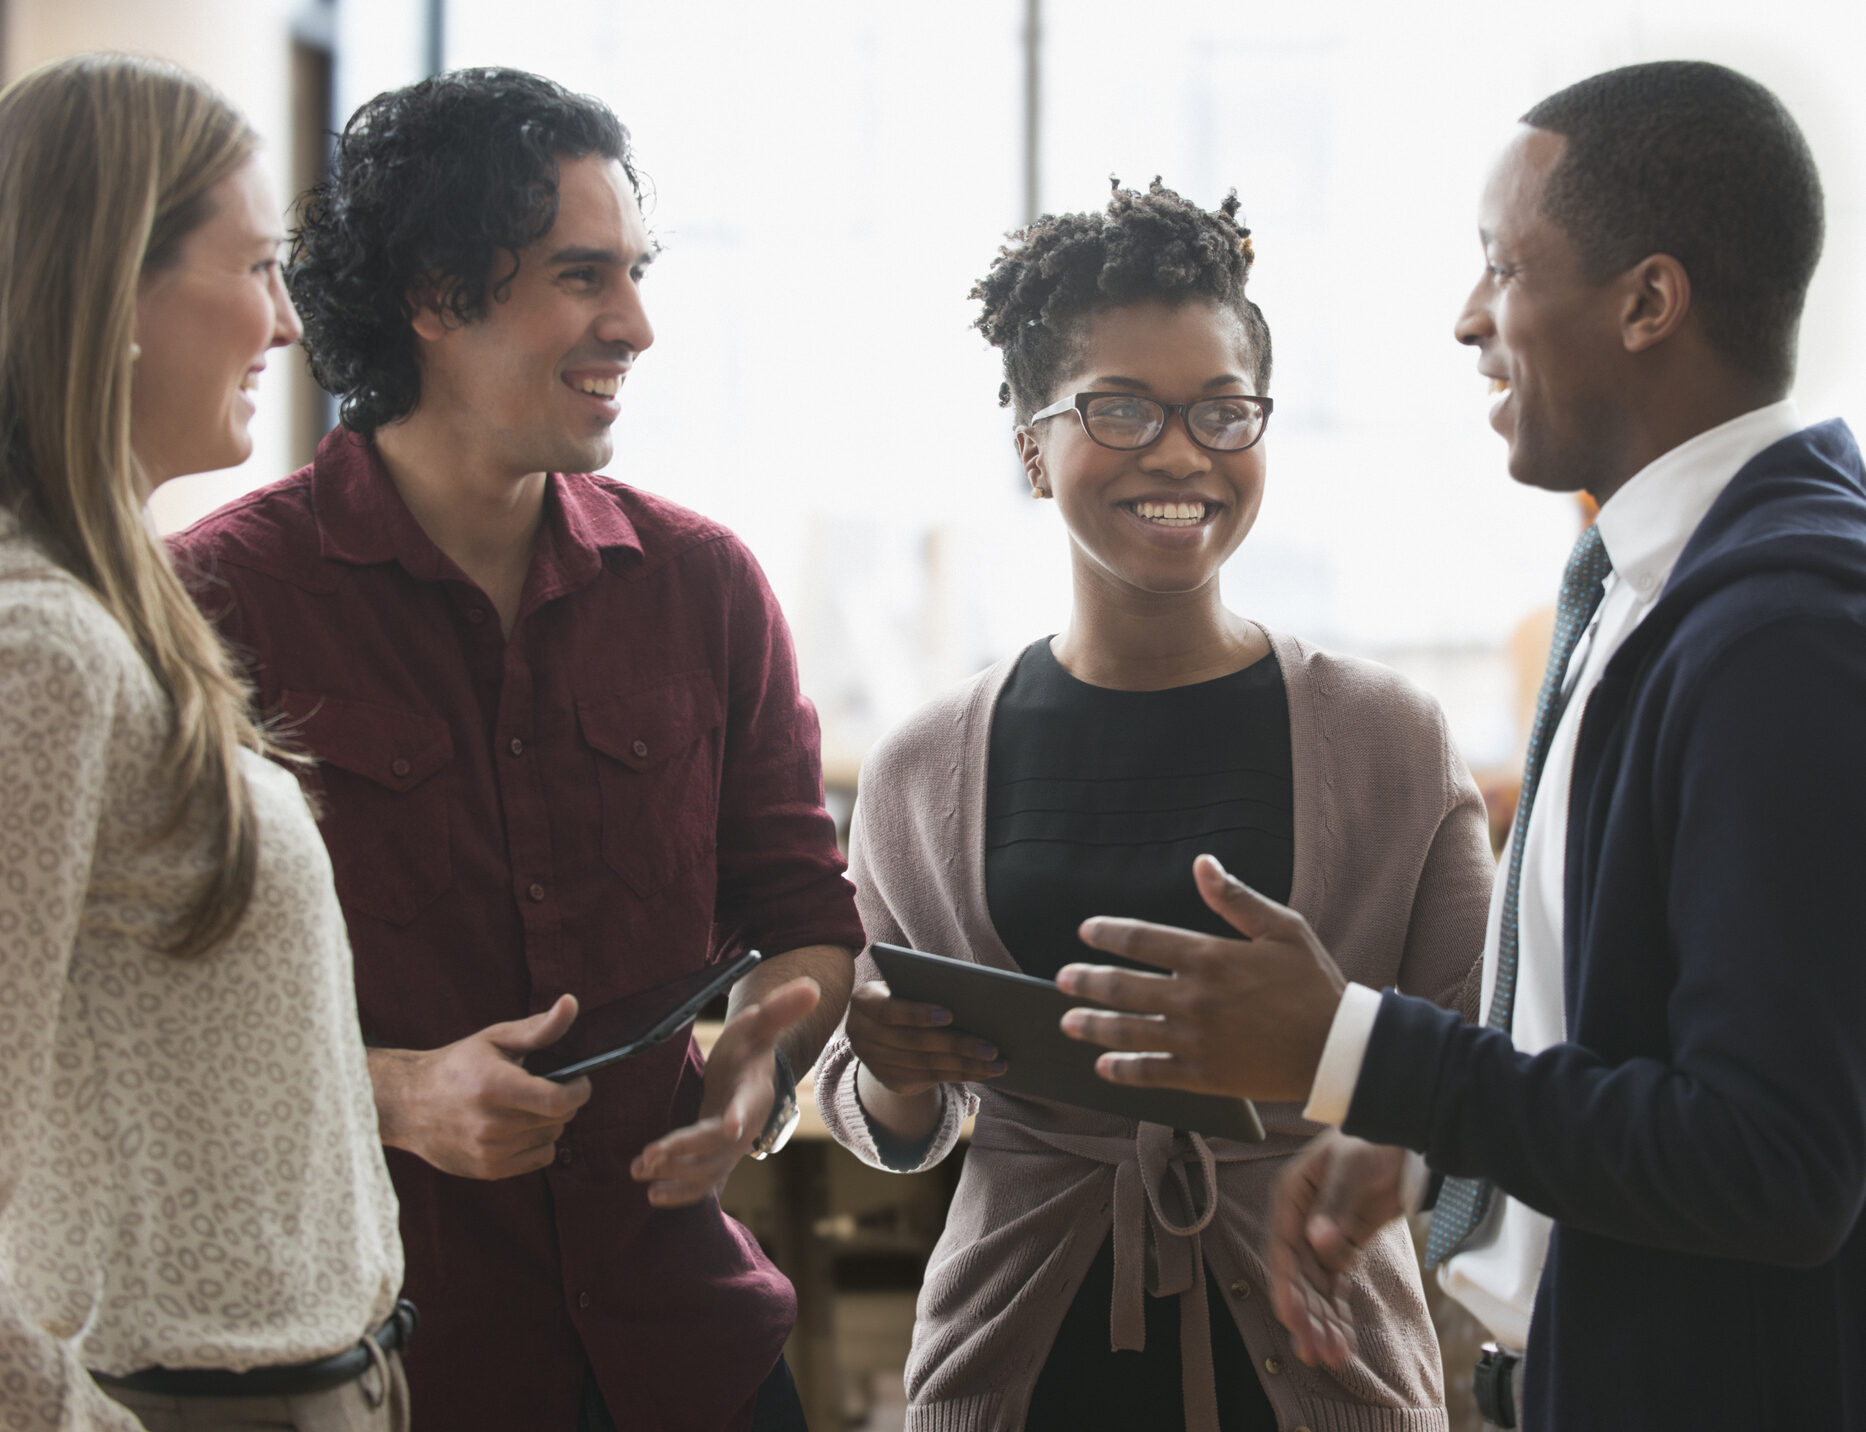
{"type": "Point", "coordinates": [1051, 277]}
{"type": "Point", "coordinates": [1690, 159]}
{"type": "Point", "coordinates": [433, 190]}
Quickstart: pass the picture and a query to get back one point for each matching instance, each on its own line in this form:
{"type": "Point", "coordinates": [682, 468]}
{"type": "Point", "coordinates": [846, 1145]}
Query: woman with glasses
{"type": "Point", "coordinates": [1095, 1272]}
{"type": "Point", "coordinates": [197, 1228]}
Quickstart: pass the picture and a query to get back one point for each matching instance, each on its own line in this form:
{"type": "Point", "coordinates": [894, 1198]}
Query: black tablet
{"type": "Point", "coordinates": [624, 1027]}
{"type": "Point", "coordinates": [1022, 1015]}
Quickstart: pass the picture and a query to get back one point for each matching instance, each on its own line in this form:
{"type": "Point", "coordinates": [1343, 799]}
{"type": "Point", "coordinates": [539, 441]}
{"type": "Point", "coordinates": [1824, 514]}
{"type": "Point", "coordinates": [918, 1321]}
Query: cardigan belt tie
{"type": "Point", "coordinates": [1155, 1254]}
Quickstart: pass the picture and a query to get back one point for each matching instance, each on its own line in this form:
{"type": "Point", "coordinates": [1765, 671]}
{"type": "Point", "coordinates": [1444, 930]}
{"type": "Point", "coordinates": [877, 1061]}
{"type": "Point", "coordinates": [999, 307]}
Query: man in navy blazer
{"type": "Point", "coordinates": [1698, 1137]}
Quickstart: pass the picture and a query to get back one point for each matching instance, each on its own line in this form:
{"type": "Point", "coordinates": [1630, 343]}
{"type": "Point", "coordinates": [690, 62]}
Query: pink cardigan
{"type": "Point", "coordinates": [1392, 868]}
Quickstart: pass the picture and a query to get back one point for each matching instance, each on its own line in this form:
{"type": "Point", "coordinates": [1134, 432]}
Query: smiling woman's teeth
{"type": "Point", "coordinates": [1172, 514]}
{"type": "Point", "coordinates": [1499, 385]}
{"type": "Point", "coordinates": [598, 387]}
{"type": "Point", "coordinates": [249, 383]}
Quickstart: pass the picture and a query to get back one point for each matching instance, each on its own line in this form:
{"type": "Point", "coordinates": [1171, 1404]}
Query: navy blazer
{"type": "Point", "coordinates": [1700, 1140]}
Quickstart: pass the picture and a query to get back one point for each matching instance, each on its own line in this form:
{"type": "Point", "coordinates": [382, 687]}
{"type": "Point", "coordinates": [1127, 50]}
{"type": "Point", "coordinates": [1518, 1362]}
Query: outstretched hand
{"type": "Point", "coordinates": [741, 1082]}
{"type": "Point", "coordinates": [1246, 1018]}
{"type": "Point", "coordinates": [1330, 1200]}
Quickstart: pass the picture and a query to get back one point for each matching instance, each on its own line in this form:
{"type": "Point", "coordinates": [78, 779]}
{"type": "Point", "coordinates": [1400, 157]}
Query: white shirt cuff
{"type": "Point", "coordinates": [1415, 1179]}
{"type": "Point", "coordinates": [1340, 1069]}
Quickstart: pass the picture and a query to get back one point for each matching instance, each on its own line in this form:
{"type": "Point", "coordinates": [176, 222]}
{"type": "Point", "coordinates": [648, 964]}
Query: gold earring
{"type": "Point", "coordinates": [1036, 491]}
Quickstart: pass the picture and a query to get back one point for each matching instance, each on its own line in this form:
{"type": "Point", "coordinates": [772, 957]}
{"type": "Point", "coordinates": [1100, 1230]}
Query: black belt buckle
{"type": "Point", "coordinates": [1493, 1382]}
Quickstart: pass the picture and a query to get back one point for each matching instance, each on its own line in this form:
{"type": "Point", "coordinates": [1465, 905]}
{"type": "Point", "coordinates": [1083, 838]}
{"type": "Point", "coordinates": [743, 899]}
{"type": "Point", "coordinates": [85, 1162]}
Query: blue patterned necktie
{"type": "Point", "coordinates": [1463, 1202]}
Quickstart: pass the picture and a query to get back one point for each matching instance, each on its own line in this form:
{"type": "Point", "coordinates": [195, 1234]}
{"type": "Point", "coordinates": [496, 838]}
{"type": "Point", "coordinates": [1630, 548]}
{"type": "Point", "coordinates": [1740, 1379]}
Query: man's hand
{"type": "Point", "coordinates": [689, 1164]}
{"type": "Point", "coordinates": [1246, 1018]}
{"type": "Point", "coordinates": [470, 1108]}
{"type": "Point", "coordinates": [1330, 1200]}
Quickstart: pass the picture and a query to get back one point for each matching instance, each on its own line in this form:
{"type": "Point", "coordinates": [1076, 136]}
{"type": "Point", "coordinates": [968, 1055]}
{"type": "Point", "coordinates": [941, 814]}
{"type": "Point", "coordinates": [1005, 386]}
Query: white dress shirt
{"type": "Point", "coordinates": [1645, 527]}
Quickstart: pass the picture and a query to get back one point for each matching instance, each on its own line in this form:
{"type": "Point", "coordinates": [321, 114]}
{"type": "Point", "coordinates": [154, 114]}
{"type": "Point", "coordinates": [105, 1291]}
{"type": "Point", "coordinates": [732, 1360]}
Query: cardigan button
{"type": "Point", "coordinates": [536, 892]}
{"type": "Point", "coordinates": [640, 748]}
{"type": "Point", "coordinates": [1273, 1365]}
{"type": "Point", "coordinates": [400, 766]}
{"type": "Point", "coordinates": [1241, 1288]}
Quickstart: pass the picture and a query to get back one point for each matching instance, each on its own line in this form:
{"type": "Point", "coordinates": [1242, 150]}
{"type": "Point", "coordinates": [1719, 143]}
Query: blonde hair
{"type": "Point", "coordinates": [106, 163]}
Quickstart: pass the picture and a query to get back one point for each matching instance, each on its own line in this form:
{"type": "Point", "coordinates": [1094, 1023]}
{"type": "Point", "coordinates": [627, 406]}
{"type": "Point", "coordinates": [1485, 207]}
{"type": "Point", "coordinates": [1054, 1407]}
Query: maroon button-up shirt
{"type": "Point", "coordinates": [624, 788]}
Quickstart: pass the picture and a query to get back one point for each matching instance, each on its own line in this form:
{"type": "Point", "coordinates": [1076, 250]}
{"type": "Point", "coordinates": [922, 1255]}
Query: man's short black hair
{"type": "Point", "coordinates": [1697, 161]}
{"type": "Point", "coordinates": [1051, 277]}
{"type": "Point", "coordinates": [433, 190]}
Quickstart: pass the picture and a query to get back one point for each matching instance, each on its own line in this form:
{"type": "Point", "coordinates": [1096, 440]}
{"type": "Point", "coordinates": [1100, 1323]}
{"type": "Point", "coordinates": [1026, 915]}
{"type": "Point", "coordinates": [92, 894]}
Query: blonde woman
{"type": "Point", "coordinates": [196, 1227]}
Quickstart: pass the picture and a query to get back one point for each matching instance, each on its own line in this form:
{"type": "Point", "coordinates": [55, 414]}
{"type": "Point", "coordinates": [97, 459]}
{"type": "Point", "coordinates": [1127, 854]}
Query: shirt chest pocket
{"type": "Point", "coordinates": [383, 800]}
{"type": "Point", "coordinates": [657, 754]}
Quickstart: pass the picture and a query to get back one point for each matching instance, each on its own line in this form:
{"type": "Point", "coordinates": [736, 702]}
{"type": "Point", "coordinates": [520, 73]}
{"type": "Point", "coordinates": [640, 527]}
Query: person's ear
{"type": "Point", "coordinates": [1656, 298]}
{"type": "Point", "coordinates": [426, 311]}
{"type": "Point", "coordinates": [1030, 457]}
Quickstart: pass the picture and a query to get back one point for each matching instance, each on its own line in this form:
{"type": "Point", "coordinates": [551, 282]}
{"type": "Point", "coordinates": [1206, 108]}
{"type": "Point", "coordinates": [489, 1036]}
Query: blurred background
{"type": "Point", "coordinates": [830, 176]}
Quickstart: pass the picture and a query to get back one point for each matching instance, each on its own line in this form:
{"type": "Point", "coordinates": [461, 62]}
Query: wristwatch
{"type": "Point", "coordinates": [784, 1112]}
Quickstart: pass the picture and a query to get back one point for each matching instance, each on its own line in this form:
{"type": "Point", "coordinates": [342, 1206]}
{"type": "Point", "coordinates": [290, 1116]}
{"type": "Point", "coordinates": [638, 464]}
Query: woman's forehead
{"type": "Point", "coordinates": [1191, 342]}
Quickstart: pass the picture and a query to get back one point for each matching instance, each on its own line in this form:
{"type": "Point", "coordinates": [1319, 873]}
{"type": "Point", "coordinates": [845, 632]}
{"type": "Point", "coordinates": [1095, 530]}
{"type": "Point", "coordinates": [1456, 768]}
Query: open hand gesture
{"type": "Point", "coordinates": [1245, 1017]}
{"type": "Point", "coordinates": [741, 1082]}
{"type": "Point", "coordinates": [1331, 1199]}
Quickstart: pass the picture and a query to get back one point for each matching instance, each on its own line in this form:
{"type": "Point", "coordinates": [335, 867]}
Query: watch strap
{"type": "Point", "coordinates": [785, 1113]}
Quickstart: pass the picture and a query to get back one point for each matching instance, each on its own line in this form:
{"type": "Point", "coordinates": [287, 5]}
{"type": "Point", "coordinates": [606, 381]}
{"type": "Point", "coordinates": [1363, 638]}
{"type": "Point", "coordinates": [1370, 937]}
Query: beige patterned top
{"type": "Point", "coordinates": [189, 1167]}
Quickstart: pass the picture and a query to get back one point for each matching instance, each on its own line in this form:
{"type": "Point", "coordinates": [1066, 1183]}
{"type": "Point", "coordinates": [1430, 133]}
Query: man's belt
{"type": "Point", "coordinates": [1494, 1384]}
{"type": "Point", "coordinates": [292, 1380]}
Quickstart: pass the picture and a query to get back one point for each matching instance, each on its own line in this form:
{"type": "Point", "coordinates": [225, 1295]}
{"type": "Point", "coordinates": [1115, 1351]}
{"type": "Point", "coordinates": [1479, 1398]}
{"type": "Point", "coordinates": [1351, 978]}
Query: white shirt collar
{"type": "Point", "coordinates": [1646, 524]}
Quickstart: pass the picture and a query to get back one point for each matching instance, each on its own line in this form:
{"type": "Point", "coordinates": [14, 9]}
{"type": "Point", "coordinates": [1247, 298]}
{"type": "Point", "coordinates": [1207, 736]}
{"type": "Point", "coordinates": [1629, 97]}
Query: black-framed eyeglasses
{"type": "Point", "coordinates": [1127, 421]}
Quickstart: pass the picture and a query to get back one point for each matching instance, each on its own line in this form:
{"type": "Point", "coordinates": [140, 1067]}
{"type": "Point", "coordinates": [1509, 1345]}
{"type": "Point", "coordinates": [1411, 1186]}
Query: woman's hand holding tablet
{"type": "Point", "coordinates": [910, 1046]}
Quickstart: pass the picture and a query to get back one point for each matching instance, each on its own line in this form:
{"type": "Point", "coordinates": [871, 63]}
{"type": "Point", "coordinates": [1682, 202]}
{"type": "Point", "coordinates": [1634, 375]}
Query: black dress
{"type": "Point", "coordinates": [1096, 803]}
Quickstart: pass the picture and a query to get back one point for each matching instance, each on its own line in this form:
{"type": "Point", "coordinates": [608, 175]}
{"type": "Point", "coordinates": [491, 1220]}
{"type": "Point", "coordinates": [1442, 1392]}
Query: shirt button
{"type": "Point", "coordinates": [399, 766]}
{"type": "Point", "coordinates": [583, 1300]}
{"type": "Point", "coordinates": [518, 746]}
{"type": "Point", "coordinates": [476, 615]}
{"type": "Point", "coordinates": [536, 892]}
{"type": "Point", "coordinates": [1273, 1365]}
{"type": "Point", "coordinates": [1241, 1288]}
{"type": "Point", "coordinates": [563, 1155]}
{"type": "Point", "coordinates": [640, 748]}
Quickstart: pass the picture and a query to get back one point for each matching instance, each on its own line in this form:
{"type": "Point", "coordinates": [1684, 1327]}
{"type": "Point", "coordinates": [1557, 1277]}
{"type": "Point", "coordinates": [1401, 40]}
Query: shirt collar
{"type": "Point", "coordinates": [362, 519]}
{"type": "Point", "coordinates": [1646, 524]}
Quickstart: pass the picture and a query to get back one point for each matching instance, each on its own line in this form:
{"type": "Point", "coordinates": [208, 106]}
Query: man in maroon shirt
{"type": "Point", "coordinates": [562, 758]}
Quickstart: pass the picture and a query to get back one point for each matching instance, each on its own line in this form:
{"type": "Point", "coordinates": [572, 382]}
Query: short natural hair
{"type": "Point", "coordinates": [1049, 278]}
{"type": "Point", "coordinates": [1693, 160]}
{"type": "Point", "coordinates": [433, 190]}
{"type": "Point", "coordinates": [107, 163]}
